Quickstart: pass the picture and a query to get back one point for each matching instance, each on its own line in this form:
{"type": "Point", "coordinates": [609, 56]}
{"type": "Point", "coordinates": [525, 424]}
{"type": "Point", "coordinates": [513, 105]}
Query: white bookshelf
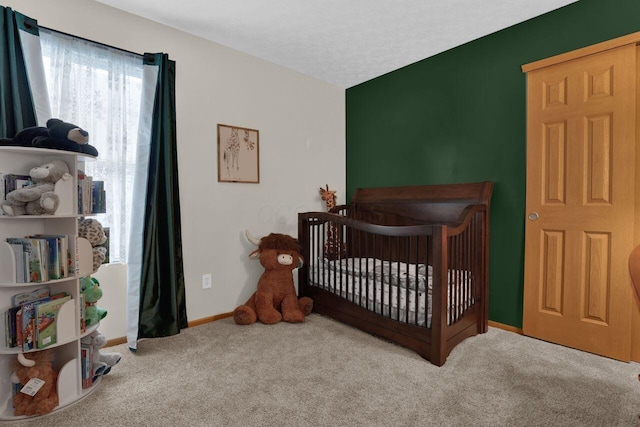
{"type": "Point", "coordinates": [19, 160]}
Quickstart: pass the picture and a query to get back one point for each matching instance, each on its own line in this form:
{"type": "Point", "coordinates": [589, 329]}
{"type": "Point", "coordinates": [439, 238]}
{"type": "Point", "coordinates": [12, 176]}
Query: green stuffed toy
{"type": "Point", "coordinates": [90, 288]}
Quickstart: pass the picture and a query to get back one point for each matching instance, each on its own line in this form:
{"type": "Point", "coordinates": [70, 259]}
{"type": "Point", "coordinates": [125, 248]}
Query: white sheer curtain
{"type": "Point", "coordinates": [99, 89]}
{"type": "Point", "coordinates": [136, 245]}
{"type": "Point", "coordinates": [32, 51]}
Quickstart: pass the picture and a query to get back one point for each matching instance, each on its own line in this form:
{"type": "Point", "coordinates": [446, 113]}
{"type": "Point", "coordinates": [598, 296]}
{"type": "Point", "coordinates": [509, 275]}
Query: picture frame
{"type": "Point", "coordinates": [238, 154]}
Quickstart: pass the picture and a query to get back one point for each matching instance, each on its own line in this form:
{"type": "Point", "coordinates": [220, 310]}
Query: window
{"type": "Point", "coordinates": [99, 89]}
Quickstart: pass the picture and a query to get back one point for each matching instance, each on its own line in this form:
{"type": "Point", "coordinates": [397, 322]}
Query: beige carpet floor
{"type": "Point", "coordinates": [323, 373]}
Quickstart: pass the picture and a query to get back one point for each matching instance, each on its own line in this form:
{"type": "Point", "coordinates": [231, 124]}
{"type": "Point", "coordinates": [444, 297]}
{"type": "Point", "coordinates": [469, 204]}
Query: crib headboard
{"type": "Point", "coordinates": [420, 204]}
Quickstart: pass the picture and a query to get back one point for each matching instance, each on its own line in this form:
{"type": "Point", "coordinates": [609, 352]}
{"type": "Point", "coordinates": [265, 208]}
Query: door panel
{"type": "Point", "coordinates": [580, 186]}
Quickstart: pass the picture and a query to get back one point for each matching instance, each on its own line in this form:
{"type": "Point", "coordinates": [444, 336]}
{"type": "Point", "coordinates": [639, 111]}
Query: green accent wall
{"type": "Point", "coordinates": [460, 116]}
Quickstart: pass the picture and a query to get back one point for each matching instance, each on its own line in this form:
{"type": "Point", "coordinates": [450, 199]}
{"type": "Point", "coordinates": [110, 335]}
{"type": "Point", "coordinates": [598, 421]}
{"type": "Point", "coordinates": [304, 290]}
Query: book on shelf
{"type": "Point", "coordinates": [18, 327]}
{"type": "Point", "coordinates": [47, 257]}
{"type": "Point", "coordinates": [43, 247]}
{"type": "Point", "coordinates": [53, 256]}
{"type": "Point", "coordinates": [3, 195]}
{"type": "Point", "coordinates": [22, 297]}
{"type": "Point", "coordinates": [75, 253]}
{"type": "Point", "coordinates": [85, 193]}
{"type": "Point", "coordinates": [15, 181]}
{"type": "Point", "coordinates": [36, 263]}
{"type": "Point", "coordinates": [83, 316]}
{"type": "Point", "coordinates": [63, 255]}
{"type": "Point", "coordinates": [22, 272]}
{"type": "Point", "coordinates": [18, 302]}
{"type": "Point", "coordinates": [58, 255]}
{"type": "Point", "coordinates": [86, 363]}
{"type": "Point", "coordinates": [80, 186]}
{"type": "Point", "coordinates": [11, 317]}
{"type": "Point", "coordinates": [28, 321]}
{"type": "Point", "coordinates": [10, 182]}
{"type": "Point", "coordinates": [28, 325]}
{"type": "Point", "coordinates": [98, 195]}
{"type": "Point", "coordinates": [46, 321]}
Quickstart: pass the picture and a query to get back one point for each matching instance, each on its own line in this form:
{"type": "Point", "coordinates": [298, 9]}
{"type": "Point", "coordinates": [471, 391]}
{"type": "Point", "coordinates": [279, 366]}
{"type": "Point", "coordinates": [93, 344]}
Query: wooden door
{"type": "Point", "coordinates": [580, 202]}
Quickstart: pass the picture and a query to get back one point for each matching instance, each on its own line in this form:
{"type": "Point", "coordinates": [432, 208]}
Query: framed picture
{"type": "Point", "coordinates": [238, 154]}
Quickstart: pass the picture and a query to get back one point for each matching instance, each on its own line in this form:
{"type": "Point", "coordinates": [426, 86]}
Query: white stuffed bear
{"type": "Point", "coordinates": [102, 362]}
{"type": "Point", "coordinates": [39, 197]}
{"type": "Point", "coordinates": [92, 230]}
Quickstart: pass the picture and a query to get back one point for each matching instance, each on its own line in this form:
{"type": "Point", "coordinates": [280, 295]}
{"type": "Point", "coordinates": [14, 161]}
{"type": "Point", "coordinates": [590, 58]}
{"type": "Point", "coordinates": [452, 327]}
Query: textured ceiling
{"type": "Point", "coordinates": [343, 42]}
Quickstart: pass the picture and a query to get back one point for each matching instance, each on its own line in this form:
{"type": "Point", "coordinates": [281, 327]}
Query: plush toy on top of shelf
{"type": "Point", "coordinates": [58, 135]}
{"type": "Point", "coordinates": [39, 197]}
{"type": "Point", "coordinates": [30, 366]}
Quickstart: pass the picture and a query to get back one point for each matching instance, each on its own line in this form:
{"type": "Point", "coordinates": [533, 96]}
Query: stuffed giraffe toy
{"type": "Point", "coordinates": [334, 248]}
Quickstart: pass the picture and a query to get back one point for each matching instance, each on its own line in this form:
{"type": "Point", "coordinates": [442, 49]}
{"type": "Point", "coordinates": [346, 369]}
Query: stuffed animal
{"type": "Point", "coordinates": [92, 230]}
{"type": "Point", "coordinates": [58, 135]}
{"type": "Point", "coordinates": [39, 197]}
{"type": "Point", "coordinates": [102, 362]}
{"type": "Point", "coordinates": [90, 288]}
{"type": "Point", "coordinates": [29, 366]}
{"type": "Point", "coordinates": [275, 299]}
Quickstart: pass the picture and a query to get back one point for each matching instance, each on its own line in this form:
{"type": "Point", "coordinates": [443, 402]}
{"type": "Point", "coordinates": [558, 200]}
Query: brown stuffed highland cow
{"type": "Point", "coordinates": [275, 299]}
{"type": "Point", "coordinates": [35, 365]}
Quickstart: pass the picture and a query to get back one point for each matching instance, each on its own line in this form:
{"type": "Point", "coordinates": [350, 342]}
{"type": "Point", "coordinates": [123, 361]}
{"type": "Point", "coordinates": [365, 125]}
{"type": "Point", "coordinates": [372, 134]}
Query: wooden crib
{"type": "Point", "coordinates": [408, 264]}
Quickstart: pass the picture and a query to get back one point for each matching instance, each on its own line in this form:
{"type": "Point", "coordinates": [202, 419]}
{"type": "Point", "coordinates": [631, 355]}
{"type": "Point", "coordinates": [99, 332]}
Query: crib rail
{"type": "Point", "coordinates": [420, 274]}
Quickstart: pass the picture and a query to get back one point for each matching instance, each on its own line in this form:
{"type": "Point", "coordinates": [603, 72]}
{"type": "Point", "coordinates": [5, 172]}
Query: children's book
{"type": "Point", "coordinates": [22, 297]}
{"type": "Point", "coordinates": [46, 321]}
{"type": "Point", "coordinates": [19, 328]}
{"type": "Point", "coordinates": [2, 193]}
{"type": "Point", "coordinates": [80, 185]}
{"type": "Point", "coordinates": [29, 323]}
{"type": "Point", "coordinates": [86, 361]}
{"type": "Point", "coordinates": [64, 258]}
{"type": "Point", "coordinates": [53, 255]}
{"type": "Point", "coordinates": [32, 247]}
{"type": "Point", "coordinates": [98, 196]}
{"type": "Point", "coordinates": [7, 328]}
{"type": "Point", "coordinates": [12, 318]}
{"type": "Point", "coordinates": [14, 182]}
{"type": "Point", "coordinates": [64, 255]}
{"type": "Point", "coordinates": [87, 195]}
{"type": "Point", "coordinates": [18, 252]}
{"type": "Point", "coordinates": [43, 245]}
{"type": "Point", "coordinates": [83, 320]}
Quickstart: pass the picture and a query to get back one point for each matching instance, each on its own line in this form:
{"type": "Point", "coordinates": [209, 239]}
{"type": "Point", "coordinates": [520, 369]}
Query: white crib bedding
{"type": "Point", "coordinates": [377, 283]}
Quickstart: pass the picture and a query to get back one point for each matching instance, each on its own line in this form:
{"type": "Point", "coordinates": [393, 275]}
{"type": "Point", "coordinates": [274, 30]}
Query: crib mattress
{"type": "Point", "coordinates": [395, 290]}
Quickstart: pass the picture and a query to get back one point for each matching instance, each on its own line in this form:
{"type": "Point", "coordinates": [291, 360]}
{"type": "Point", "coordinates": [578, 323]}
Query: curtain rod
{"type": "Point", "coordinates": [92, 41]}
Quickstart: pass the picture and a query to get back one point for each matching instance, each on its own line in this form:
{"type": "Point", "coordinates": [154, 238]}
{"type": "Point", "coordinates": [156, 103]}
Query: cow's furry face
{"type": "Point", "coordinates": [274, 259]}
{"type": "Point", "coordinates": [279, 252]}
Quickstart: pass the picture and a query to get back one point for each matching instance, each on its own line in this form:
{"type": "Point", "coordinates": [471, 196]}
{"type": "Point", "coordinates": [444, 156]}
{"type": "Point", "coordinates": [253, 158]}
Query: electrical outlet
{"type": "Point", "coordinates": [206, 281]}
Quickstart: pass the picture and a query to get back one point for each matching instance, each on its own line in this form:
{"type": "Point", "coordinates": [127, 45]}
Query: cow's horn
{"type": "Point", "coordinates": [24, 361]}
{"type": "Point", "coordinates": [252, 239]}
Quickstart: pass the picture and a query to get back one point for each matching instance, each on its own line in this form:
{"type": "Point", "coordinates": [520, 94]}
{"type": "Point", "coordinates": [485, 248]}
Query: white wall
{"type": "Point", "coordinates": [302, 147]}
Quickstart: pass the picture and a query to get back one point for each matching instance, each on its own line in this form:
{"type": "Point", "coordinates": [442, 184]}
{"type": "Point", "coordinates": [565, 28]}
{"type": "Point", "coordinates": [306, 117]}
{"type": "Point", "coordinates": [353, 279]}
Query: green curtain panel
{"type": "Point", "coordinates": [162, 294]}
{"type": "Point", "coordinates": [17, 109]}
